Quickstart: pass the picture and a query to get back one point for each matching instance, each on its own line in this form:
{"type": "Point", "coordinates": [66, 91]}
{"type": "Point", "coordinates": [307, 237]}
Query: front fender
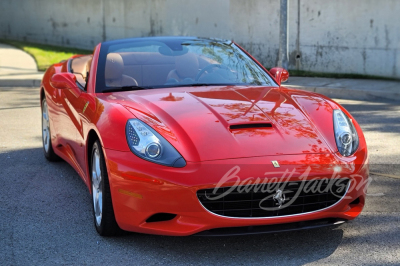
{"type": "Point", "coordinates": [110, 125]}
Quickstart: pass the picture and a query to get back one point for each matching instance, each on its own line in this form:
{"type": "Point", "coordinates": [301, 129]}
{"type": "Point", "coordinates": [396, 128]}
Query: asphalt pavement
{"type": "Point", "coordinates": [45, 208]}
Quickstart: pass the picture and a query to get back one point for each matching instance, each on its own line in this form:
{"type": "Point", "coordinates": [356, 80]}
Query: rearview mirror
{"type": "Point", "coordinates": [280, 74]}
{"type": "Point", "coordinates": [63, 80]}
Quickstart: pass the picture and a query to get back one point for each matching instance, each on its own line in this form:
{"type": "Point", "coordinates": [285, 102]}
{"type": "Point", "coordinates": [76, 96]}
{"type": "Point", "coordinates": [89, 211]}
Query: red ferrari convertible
{"type": "Point", "coordinates": [182, 136]}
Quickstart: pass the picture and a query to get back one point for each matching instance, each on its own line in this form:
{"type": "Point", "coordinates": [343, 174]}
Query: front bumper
{"type": "Point", "coordinates": [141, 189]}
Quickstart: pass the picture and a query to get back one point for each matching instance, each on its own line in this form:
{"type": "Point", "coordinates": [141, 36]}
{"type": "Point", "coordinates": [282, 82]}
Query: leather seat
{"type": "Point", "coordinates": [186, 67]}
{"type": "Point", "coordinates": [113, 74]}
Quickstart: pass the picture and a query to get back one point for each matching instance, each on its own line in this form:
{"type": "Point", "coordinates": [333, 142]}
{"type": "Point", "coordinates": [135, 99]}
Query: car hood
{"type": "Point", "coordinates": [214, 123]}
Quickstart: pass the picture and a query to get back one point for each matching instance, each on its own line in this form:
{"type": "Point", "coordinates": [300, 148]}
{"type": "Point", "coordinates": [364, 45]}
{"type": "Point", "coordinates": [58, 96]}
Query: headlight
{"type": "Point", "coordinates": [146, 143]}
{"type": "Point", "coordinates": [345, 133]}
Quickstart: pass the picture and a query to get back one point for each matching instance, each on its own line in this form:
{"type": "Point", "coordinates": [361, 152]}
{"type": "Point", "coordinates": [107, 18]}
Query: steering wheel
{"type": "Point", "coordinates": [208, 68]}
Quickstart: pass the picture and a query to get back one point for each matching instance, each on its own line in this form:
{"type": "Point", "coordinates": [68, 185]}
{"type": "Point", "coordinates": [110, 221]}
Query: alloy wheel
{"type": "Point", "coordinates": [97, 187]}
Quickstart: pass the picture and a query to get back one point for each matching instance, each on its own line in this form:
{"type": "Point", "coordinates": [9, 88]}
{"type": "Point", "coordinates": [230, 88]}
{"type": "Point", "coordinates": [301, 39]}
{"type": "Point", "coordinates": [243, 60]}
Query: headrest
{"type": "Point", "coordinates": [187, 65]}
{"type": "Point", "coordinates": [114, 66]}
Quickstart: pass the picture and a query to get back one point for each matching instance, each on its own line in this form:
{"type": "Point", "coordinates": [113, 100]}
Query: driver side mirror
{"type": "Point", "coordinates": [280, 74]}
{"type": "Point", "coordinates": [63, 80]}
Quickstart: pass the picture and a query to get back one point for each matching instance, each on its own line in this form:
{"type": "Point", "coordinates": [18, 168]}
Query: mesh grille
{"type": "Point", "coordinates": [300, 197]}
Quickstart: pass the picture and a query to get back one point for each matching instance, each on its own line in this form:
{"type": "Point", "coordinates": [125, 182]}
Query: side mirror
{"type": "Point", "coordinates": [281, 75]}
{"type": "Point", "coordinates": [63, 80]}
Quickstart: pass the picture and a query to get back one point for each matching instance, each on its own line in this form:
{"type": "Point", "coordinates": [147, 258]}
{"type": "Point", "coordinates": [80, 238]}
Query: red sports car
{"type": "Point", "coordinates": [183, 136]}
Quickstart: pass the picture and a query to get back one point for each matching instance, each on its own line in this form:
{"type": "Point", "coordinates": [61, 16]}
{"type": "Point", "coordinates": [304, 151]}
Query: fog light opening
{"type": "Point", "coordinates": [160, 217]}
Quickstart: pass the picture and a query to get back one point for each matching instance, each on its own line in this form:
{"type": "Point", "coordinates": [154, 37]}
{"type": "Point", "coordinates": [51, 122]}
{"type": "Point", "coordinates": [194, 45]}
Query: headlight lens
{"type": "Point", "coordinates": [146, 143]}
{"type": "Point", "coordinates": [153, 150]}
{"type": "Point", "coordinates": [345, 133]}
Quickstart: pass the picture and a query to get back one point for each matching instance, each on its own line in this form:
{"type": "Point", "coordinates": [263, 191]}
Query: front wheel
{"type": "Point", "coordinates": [103, 212]}
{"type": "Point", "coordinates": [46, 136]}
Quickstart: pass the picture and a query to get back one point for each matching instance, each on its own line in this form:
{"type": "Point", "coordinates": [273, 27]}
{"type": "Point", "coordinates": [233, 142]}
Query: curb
{"type": "Point", "coordinates": [342, 93]}
{"type": "Point", "coordinates": [20, 82]}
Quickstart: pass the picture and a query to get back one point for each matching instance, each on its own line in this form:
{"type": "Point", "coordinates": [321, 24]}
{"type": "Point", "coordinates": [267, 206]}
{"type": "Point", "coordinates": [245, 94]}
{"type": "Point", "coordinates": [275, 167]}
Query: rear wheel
{"type": "Point", "coordinates": [46, 136]}
{"type": "Point", "coordinates": [103, 212]}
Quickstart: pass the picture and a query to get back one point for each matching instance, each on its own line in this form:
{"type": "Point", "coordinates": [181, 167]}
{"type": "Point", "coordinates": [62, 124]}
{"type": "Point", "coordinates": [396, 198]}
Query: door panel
{"type": "Point", "coordinates": [73, 127]}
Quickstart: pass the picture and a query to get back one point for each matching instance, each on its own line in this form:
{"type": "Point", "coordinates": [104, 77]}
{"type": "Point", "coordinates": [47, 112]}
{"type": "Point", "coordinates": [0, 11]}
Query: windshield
{"type": "Point", "coordinates": [146, 63]}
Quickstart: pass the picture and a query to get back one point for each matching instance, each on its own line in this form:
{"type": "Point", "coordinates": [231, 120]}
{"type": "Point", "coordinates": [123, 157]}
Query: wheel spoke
{"type": "Point", "coordinates": [100, 202]}
{"type": "Point", "coordinates": [97, 207]}
{"type": "Point", "coordinates": [94, 175]}
{"type": "Point", "coordinates": [98, 171]}
{"type": "Point", "coordinates": [45, 135]}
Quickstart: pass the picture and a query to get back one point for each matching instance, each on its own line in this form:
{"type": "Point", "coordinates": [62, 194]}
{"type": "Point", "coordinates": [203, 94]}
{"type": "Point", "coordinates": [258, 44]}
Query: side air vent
{"type": "Point", "coordinates": [249, 126]}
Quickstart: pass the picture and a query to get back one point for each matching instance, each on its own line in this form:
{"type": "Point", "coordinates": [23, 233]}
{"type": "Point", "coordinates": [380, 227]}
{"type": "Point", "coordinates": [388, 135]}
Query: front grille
{"type": "Point", "coordinates": [312, 195]}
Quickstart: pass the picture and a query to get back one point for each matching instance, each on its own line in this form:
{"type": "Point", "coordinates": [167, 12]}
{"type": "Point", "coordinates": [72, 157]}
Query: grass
{"type": "Point", "coordinates": [46, 55]}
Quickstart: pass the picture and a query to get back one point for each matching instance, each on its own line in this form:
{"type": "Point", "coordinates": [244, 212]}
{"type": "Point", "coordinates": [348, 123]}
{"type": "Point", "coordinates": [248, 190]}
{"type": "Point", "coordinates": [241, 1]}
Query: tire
{"type": "Point", "coordinates": [46, 135]}
{"type": "Point", "coordinates": [103, 212]}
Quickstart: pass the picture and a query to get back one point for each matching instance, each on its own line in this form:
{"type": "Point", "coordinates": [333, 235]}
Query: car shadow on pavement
{"type": "Point", "coordinates": [297, 247]}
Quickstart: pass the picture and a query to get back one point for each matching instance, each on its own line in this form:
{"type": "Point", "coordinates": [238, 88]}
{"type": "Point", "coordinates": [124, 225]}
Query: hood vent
{"type": "Point", "coordinates": [250, 126]}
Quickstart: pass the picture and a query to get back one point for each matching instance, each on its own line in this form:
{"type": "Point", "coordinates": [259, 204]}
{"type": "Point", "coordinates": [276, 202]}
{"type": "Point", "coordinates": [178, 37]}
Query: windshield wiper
{"type": "Point", "coordinates": [126, 88]}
